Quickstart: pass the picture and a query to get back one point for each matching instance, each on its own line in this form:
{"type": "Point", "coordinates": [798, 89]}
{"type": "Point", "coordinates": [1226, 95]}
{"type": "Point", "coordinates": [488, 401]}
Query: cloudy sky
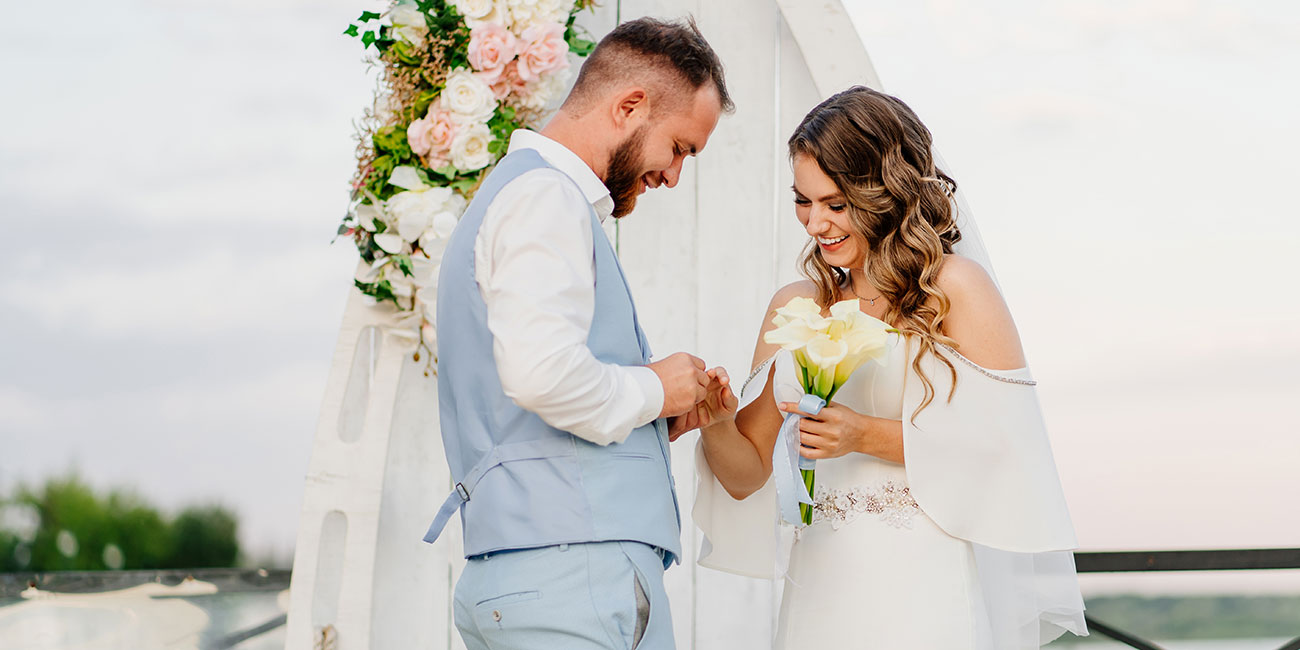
{"type": "Point", "coordinates": [171, 173]}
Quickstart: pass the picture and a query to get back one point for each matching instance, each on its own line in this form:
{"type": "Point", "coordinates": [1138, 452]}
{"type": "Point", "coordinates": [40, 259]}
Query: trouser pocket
{"type": "Point", "coordinates": [642, 609]}
{"type": "Point", "coordinates": [654, 626]}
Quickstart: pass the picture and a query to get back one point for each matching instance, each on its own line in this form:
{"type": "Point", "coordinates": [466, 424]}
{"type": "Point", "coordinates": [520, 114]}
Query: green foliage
{"type": "Point", "coordinates": [442, 18]}
{"type": "Point", "coordinates": [574, 36]}
{"type": "Point", "coordinates": [403, 263]}
{"type": "Point", "coordinates": [203, 537]}
{"type": "Point", "coordinates": [416, 73]}
{"type": "Point", "coordinates": [372, 34]}
{"type": "Point", "coordinates": [380, 291]}
{"type": "Point", "coordinates": [79, 530]}
{"type": "Point", "coordinates": [392, 140]}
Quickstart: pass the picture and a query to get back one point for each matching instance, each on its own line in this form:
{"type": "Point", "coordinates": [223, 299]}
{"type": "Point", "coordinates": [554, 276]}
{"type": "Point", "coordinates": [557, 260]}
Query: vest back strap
{"type": "Point", "coordinates": [528, 450]}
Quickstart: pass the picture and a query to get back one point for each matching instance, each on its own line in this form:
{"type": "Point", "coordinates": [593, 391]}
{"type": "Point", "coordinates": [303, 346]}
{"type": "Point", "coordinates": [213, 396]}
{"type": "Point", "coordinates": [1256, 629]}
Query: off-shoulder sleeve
{"type": "Point", "coordinates": [743, 537]}
{"type": "Point", "coordinates": [980, 465]}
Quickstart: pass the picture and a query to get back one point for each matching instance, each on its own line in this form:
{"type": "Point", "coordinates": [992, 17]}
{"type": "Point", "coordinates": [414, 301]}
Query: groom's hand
{"type": "Point", "coordinates": [719, 405]}
{"type": "Point", "coordinates": [685, 383]}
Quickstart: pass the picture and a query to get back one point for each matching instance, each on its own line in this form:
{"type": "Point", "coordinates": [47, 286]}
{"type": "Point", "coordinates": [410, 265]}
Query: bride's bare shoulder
{"type": "Point", "coordinates": [978, 318]}
{"type": "Point", "coordinates": [797, 289]}
{"type": "Point", "coordinates": [963, 275]}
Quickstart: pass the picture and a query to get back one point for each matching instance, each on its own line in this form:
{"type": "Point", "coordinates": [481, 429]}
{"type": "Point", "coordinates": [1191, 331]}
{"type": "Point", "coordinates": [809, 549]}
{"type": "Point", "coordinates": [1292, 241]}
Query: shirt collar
{"type": "Point", "coordinates": [561, 158]}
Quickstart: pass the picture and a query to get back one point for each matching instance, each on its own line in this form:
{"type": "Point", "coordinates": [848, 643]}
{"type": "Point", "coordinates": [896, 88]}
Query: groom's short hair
{"type": "Point", "coordinates": [667, 57]}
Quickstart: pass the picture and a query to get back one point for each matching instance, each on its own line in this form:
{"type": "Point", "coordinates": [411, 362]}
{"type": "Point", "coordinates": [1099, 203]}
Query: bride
{"type": "Point", "coordinates": [938, 517]}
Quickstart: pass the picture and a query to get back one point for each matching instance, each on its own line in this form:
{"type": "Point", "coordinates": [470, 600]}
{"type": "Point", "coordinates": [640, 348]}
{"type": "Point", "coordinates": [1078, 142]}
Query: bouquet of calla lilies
{"type": "Point", "coordinates": [827, 350]}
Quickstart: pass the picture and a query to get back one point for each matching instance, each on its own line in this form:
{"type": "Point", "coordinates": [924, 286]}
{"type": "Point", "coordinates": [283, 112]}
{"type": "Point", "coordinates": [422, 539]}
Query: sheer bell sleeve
{"type": "Point", "coordinates": [980, 465]}
{"type": "Point", "coordinates": [743, 537]}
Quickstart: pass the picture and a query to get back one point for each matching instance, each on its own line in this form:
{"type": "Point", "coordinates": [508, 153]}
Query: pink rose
{"type": "Point", "coordinates": [491, 47]}
{"type": "Point", "coordinates": [430, 136]}
{"type": "Point", "coordinates": [509, 82]}
{"type": "Point", "coordinates": [545, 52]}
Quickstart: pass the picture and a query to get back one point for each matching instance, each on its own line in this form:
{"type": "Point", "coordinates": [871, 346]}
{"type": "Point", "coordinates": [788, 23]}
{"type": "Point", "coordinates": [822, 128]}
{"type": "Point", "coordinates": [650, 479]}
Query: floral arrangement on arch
{"type": "Point", "coordinates": [458, 77]}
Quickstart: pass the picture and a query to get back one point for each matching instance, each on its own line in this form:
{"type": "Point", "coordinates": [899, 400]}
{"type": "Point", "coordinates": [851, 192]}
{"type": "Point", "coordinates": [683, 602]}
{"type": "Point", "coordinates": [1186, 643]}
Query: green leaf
{"type": "Point", "coordinates": [404, 264]}
{"type": "Point", "coordinates": [350, 31]}
{"type": "Point", "coordinates": [463, 184]}
{"type": "Point", "coordinates": [367, 16]}
{"type": "Point", "coordinates": [368, 38]}
{"type": "Point", "coordinates": [423, 173]}
{"type": "Point", "coordinates": [581, 46]}
{"type": "Point", "coordinates": [424, 99]}
{"type": "Point", "coordinates": [384, 291]}
{"type": "Point", "coordinates": [496, 146]}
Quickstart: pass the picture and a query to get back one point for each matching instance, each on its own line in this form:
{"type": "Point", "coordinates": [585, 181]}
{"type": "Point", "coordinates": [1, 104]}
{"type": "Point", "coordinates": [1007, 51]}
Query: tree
{"type": "Point", "coordinates": [70, 528]}
{"type": "Point", "coordinates": [205, 536]}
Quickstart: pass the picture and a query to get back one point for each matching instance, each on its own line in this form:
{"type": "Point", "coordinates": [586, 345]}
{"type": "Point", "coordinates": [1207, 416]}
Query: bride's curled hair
{"type": "Point", "coordinates": [877, 152]}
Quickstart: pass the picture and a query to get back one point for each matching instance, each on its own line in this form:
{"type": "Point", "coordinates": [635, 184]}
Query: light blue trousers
{"type": "Point", "coordinates": [571, 597]}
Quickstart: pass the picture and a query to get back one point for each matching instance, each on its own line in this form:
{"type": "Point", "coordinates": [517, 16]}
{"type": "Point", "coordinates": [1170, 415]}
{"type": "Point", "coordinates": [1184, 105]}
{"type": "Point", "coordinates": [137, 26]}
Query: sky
{"type": "Point", "coordinates": [171, 173]}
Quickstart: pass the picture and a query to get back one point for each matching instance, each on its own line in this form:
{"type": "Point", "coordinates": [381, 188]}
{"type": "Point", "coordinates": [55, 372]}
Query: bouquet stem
{"type": "Point", "coordinates": [809, 480]}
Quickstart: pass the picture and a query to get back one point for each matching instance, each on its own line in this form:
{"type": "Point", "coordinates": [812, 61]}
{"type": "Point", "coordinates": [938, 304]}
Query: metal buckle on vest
{"type": "Point", "coordinates": [464, 493]}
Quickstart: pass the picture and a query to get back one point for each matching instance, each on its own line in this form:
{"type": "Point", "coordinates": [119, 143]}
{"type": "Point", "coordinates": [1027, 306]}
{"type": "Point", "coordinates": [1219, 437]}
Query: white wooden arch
{"type": "Point", "coordinates": [703, 260]}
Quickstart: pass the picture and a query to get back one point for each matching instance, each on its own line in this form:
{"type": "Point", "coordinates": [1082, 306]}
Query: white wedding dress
{"type": "Point", "coordinates": [964, 548]}
{"type": "Point", "coordinates": [873, 571]}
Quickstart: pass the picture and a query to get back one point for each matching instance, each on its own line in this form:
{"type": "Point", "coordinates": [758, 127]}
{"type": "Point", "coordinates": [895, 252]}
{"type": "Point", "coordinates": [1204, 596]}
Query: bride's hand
{"type": "Point", "coordinates": [835, 431]}
{"type": "Point", "coordinates": [719, 405]}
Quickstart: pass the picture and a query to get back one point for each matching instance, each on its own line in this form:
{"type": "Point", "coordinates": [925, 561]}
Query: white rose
{"type": "Point", "coordinates": [479, 12]}
{"type": "Point", "coordinates": [408, 22]}
{"type": "Point", "coordinates": [545, 91]}
{"type": "Point", "coordinates": [468, 97]}
{"type": "Point", "coordinates": [476, 9]}
{"type": "Point", "coordinates": [469, 151]}
{"type": "Point", "coordinates": [526, 13]}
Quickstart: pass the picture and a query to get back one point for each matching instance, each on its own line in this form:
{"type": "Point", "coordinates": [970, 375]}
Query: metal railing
{"type": "Point", "coordinates": [12, 585]}
{"type": "Point", "coordinates": [1150, 561]}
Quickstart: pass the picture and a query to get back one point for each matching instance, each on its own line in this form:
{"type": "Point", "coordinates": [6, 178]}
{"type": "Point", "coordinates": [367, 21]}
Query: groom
{"type": "Point", "coordinates": [555, 423]}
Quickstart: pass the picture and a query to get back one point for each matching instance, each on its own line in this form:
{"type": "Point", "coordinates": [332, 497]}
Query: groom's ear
{"type": "Point", "coordinates": [630, 108]}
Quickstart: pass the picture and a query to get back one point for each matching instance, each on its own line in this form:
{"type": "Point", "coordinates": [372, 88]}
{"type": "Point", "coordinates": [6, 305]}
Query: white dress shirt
{"type": "Point", "coordinates": [534, 267]}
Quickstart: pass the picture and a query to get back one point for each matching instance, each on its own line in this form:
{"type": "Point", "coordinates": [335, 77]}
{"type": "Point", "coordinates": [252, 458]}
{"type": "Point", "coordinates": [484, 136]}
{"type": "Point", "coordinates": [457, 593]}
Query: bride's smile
{"type": "Point", "coordinates": [826, 217]}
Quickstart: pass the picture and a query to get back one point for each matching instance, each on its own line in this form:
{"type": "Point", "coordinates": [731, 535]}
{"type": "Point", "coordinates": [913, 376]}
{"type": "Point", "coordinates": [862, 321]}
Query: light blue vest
{"type": "Point", "coordinates": [521, 483]}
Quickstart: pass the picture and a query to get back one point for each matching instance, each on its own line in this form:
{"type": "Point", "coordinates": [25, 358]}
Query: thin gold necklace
{"type": "Point", "coordinates": [870, 301]}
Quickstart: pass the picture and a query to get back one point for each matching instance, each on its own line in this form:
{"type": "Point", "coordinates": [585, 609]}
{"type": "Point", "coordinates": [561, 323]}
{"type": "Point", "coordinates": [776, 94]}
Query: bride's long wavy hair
{"type": "Point", "coordinates": [877, 152]}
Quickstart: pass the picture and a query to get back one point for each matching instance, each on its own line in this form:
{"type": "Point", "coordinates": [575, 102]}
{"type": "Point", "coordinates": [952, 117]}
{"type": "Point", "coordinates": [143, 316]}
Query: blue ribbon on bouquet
{"type": "Point", "coordinates": [786, 462]}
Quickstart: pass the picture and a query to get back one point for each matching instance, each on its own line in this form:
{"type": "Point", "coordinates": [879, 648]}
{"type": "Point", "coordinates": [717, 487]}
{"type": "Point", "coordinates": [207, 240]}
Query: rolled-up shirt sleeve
{"type": "Point", "coordinates": [534, 265]}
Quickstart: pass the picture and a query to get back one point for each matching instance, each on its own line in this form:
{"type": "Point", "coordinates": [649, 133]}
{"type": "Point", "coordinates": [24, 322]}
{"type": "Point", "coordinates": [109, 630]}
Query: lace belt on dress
{"type": "Point", "coordinates": [891, 500]}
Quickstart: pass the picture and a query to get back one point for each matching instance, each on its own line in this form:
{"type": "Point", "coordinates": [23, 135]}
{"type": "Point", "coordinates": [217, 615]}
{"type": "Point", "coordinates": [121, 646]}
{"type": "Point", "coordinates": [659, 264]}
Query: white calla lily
{"type": "Point", "coordinates": [793, 335]}
{"type": "Point", "coordinates": [846, 308]}
{"type": "Point", "coordinates": [799, 308]}
{"type": "Point", "coordinates": [825, 352]}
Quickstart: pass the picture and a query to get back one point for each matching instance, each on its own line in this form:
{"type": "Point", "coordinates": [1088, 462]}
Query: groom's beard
{"type": "Point", "coordinates": [623, 174]}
